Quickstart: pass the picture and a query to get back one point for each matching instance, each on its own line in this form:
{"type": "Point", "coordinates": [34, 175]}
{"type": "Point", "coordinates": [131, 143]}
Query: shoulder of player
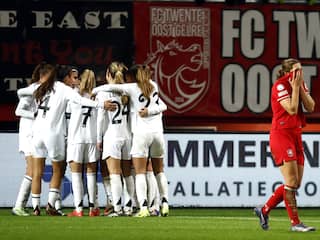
{"type": "Point", "coordinates": [60, 85]}
{"type": "Point", "coordinates": [281, 83]}
{"type": "Point", "coordinates": [103, 95]}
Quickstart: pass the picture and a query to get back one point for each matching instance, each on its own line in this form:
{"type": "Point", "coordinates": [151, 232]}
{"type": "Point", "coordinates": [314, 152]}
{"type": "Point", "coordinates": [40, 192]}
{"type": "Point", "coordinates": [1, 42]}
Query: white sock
{"type": "Point", "coordinates": [35, 200]}
{"type": "Point", "coordinates": [24, 192]}
{"type": "Point", "coordinates": [96, 200]}
{"type": "Point", "coordinates": [107, 189]}
{"type": "Point", "coordinates": [91, 185]}
{"type": "Point", "coordinates": [116, 189]}
{"type": "Point", "coordinates": [162, 185]}
{"type": "Point", "coordinates": [58, 204]}
{"type": "Point", "coordinates": [156, 205]}
{"type": "Point", "coordinates": [127, 202]}
{"type": "Point", "coordinates": [152, 188]}
{"type": "Point", "coordinates": [77, 188]}
{"type": "Point", "coordinates": [141, 190]}
{"type": "Point", "coordinates": [129, 189]}
{"type": "Point", "coordinates": [53, 196]}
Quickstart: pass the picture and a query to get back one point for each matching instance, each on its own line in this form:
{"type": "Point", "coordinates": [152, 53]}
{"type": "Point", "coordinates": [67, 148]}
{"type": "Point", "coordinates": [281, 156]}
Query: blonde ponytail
{"type": "Point", "coordinates": [87, 82]}
{"type": "Point", "coordinates": [143, 77]}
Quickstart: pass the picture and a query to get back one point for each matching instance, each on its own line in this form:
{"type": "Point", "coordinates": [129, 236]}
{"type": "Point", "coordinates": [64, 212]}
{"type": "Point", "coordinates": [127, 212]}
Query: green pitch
{"type": "Point", "coordinates": [200, 224]}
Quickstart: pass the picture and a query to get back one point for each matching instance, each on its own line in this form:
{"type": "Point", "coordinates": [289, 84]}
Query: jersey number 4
{"type": "Point", "coordinates": [44, 106]}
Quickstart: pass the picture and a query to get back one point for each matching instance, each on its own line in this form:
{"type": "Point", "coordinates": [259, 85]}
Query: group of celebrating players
{"type": "Point", "coordinates": [68, 119]}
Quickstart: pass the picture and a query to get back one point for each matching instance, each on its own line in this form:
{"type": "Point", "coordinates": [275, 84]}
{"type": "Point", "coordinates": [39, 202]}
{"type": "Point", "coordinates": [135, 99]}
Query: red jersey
{"type": "Point", "coordinates": [281, 90]}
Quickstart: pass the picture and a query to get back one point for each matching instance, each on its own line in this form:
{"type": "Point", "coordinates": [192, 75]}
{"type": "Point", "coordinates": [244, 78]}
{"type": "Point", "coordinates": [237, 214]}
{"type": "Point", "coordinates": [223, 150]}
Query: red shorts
{"type": "Point", "coordinates": [286, 145]}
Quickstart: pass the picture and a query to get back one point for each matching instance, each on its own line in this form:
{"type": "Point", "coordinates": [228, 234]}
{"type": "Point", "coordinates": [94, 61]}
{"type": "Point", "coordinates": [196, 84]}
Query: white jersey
{"type": "Point", "coordinates": [113, 124]}
{"type": "Point", "coordinates": [83, 124]}
{"type": "Point", "coordinates": [151, 123]}
{"type": "Point", "coordinates": [50, 124]}
{"type": "Point", "coordinates": [26, 111]}
{"type": "Point", "coordinates": [51, 110]}
{"type": "Point", "coordinates": [27, 91]}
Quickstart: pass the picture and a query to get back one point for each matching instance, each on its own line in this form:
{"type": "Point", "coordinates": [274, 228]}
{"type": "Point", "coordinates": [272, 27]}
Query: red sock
{"type": "Point", "coordinates": [274, 200]}
{"type": "Point", "coordinates": [289, 196]}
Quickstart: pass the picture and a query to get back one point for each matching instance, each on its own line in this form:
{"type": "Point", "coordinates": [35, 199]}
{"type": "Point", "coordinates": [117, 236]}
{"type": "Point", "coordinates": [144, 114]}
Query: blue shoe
{"type": "Point", "coordinates": [264, 219]}
{"type": "Point", "coordinates": [302, 228]}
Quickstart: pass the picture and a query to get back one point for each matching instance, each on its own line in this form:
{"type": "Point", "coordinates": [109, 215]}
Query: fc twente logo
{"type": "Point", "coordinates": [179, 73]}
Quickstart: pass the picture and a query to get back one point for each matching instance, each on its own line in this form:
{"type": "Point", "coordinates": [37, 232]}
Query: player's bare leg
{"type": "Point", "coordinates": [37, 172]}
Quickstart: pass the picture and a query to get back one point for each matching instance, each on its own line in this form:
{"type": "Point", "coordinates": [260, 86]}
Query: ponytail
{"type": "Point", "coordinates": [46, 86]}
{"type": "Point", "coordinates": [143, 77]}
{"type": "Point", "coordinates": [36, 72]}
{"type": "Point", "coordinates": [87, 82]}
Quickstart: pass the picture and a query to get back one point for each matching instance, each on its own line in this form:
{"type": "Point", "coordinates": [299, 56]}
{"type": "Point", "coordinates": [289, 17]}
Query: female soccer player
{"type": "Point", "coordinates": [288, 95]}
{"type": "Point", "coordinates": [49, 134]}
{"type": "Point", "coordinates": [69, 75]}
{"type": "Point", "coordinates": [147, 129]}
{"type": "Point", "coordinates": [116, 141]}
{"type": "Point", "coordinates": [26, 110]}
{"type": "Point", "coordinates": [82, 149]}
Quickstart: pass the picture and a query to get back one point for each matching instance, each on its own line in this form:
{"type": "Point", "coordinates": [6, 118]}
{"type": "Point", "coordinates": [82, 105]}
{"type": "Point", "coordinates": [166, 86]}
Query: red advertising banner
{"type": "Point", "coordinates": [219, 61]}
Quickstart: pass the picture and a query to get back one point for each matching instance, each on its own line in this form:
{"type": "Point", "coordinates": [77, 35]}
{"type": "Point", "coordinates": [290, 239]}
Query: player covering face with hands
{"type": "Point", "coordinates": [288, 95]}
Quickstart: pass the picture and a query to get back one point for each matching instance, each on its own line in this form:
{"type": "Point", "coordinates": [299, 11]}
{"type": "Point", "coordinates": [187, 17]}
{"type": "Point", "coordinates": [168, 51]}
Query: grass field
{"type": "Point", "coordinates": [183, 223]}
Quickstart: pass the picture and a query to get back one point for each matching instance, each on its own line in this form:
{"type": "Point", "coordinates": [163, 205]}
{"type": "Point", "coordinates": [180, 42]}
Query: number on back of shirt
{"type": "Point", "coordinates": [143, 99]}
{"type": "Point", "coordinates": [118, 114]}
{"type": "Point", "coordinates": [44, 105]}
{"type": "Point", "coordinates": [86, 113]}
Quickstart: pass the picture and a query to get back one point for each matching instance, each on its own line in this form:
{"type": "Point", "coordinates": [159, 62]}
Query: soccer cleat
{"type": "Point", "coordinates": [127, 212]}
{"type": "Point", "coordinates": [107, 210]}
{"type": "Point", "coordinates": [20, 212]}
{"type": "Point", "coordinates": [51, 211]}
{"type": "Point", "coordinates": [142, 213]}
{"type": "Point", "coordinates": [94, 212]}
{"type": "Point", "coordinates": [154, 213]}
{"type": "Point", "coordinates": [164, 209]}
{"type": "Point", "coordinates": [135, 210]}
{"type": "Point", "coordinates": [59, 211]}
{"type": "Point", "coordinates": [262, 218]}
{"type": "Point", "coordinates": [75, 213]}
{"type": "Point", "coordinates": [36, 211]}
{"type": "Point", "coordinates": [116, 214]}
{"type": "Point", "coordinates": [302, 228]}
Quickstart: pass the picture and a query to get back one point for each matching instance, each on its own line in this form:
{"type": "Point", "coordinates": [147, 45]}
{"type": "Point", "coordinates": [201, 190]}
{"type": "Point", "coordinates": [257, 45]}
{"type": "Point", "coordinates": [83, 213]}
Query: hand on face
{"type": "Point", "coordinates": [296, 77]}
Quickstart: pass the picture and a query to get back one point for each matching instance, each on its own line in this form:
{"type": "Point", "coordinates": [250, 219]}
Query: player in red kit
{"type": "Point", "coordinates": [289, 93]}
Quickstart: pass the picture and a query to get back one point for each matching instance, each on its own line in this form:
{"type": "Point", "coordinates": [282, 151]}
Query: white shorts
{"type": "Point", "coordinates": [25, 144]}
{"type": "Point", "coordinates": [82, 152]}
{"type": "Point", "coordinates": [118, 148]}
{"type": "Point", "coordinates": [148, 145]}
{"type": "Point", "coordinates": [51, 145]}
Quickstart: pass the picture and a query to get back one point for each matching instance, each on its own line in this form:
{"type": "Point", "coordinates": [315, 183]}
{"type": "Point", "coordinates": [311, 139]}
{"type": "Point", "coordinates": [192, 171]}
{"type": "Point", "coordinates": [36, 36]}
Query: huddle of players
{"type": "Point", "coordinates": [122, 125]}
